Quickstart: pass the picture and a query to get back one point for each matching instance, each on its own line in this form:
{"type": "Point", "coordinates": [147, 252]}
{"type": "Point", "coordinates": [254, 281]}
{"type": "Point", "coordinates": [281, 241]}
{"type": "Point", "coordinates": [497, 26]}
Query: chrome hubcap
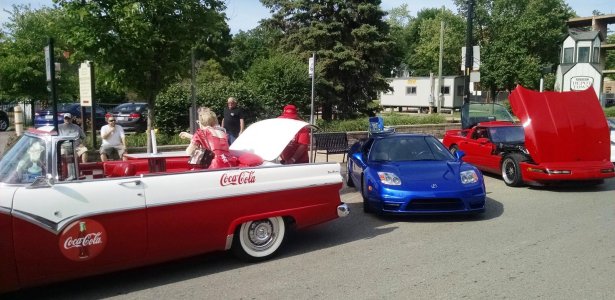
{"type": "Point", "coordinates": [261, 234]}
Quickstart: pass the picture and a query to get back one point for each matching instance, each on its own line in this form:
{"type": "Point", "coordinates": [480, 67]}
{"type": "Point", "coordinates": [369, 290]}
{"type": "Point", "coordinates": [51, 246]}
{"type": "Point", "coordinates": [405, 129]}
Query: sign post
{"type": "Point", "coordinates": [50, 68]}
{"type": "Point", "coordinates": [312, 74]}
{"type": "Point", "coordinates": [86, 95]}
{"type": "Point", "coordinates": [469, 57]}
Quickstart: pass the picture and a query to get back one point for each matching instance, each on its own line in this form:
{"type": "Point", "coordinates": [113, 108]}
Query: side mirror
{"type": "Point", "coordinates": [42, 182]}
{"type": "Point", "coordinates": [360, 156]}
{"type": "Point", "coordinates": [483, 141]}
{"type": "Point", "coordinates": [459, 154]}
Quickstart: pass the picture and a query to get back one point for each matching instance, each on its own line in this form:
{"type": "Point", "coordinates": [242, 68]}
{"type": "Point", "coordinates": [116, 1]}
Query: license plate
{"type": "Point", "coordinates": [49, 117]}
{"type": "Point", "coordinates": [121, 118]}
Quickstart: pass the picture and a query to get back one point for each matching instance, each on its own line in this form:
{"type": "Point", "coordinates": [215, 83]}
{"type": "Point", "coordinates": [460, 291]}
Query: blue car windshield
{"type": "Point", "coordinates": [507, 134]}
{"type": "Point", "coordinates": [409, 148]}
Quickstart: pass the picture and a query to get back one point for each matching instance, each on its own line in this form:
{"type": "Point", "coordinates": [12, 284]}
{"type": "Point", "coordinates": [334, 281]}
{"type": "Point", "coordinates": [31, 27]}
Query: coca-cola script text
{"type": "Point", "coordinates": [235, 179]}
{"type": "Point", "coordinates": [88, 240]}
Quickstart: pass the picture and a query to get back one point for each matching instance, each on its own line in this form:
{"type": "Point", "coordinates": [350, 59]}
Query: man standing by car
{"type": "Point", "coordinates": [232, 120]}
{"type": "Point", "coordinates": [113, 137]}
{"type": "Point", "coordinates": [296, 152]}
{"type": "Point", "coordinates": [68, 128]}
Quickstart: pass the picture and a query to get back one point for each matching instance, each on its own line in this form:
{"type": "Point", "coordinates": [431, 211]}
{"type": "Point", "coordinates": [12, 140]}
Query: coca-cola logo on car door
{"type": "Point", "coordinates": [244, 177]}
{"type": "Point", "coordinates": [83, 240]}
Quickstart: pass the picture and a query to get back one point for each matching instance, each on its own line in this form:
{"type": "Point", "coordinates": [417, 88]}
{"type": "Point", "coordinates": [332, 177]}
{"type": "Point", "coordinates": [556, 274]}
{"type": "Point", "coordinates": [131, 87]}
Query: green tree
{"type": "Point", "coordinates": [147, 44]}
{"type": "Point", "coordinates": [399, 20]}
{"type": "Point", "coordinates": [425, 58]}
{"type": "Point", "coordinates": [413, 37]}
{"type": "Point", "coordinates": [610, 58]}
{"type": "Point", "coordinates": [352, 45]}
{"type": "Point", "coordinates": [517, 38]}
{"type": "Point", "coordinates": [22, 59]}
{"type": "Point", "coordinates": [279, 80]}
{"type": "Point", "coordinates": [248, 47]}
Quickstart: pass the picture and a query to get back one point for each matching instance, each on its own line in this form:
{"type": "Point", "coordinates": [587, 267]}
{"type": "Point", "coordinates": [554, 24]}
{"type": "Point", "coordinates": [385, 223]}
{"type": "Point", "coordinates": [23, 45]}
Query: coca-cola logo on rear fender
{"type": "Point", "coordinates": [83, 240]}
{"type": "Point", "coordinates": [243, 177]}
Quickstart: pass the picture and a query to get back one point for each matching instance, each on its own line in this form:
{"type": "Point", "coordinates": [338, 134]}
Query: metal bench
{"type": "Point", "coordinates": [331, 143]}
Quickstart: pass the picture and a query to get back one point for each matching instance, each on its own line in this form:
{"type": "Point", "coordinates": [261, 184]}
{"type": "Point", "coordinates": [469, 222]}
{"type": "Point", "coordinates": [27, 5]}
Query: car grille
{"type": "Point", "coordinates": [435, 204]}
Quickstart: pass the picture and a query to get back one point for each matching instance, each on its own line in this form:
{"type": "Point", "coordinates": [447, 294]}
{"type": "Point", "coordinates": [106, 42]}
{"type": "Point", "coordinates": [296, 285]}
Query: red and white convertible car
{"type": "Point", "coordinates": [61, 219]}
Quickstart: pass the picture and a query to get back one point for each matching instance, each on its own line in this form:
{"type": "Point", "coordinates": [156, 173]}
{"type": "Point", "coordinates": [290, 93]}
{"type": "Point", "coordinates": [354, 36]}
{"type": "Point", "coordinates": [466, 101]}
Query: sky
{"type": "Point", "coordinates": [245, 14]}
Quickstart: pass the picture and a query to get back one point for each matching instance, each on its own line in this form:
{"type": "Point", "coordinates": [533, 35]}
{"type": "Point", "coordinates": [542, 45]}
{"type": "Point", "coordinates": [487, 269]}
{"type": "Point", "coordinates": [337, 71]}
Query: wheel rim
{"type": "Point", "coordinates": [508, 171]}
{"type": "Point", "coordinates": [261, 238]}
{"type": "Point", "coordinates": [3, 125]}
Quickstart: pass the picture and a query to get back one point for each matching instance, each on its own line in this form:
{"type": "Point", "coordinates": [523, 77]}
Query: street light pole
{"type": "Point", "coordinates": [465, 109]}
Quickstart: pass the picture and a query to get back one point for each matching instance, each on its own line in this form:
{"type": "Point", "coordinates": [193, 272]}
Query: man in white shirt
{"type": "Point", "coordinates": [113, 137]}
{"type": "Point", "coordinates": [70, 129]}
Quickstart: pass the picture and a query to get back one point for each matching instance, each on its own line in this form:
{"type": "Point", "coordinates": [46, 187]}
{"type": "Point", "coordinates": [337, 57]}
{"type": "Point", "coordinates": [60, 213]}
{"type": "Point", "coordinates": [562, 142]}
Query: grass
{"type": "Point", "coordinates": [610, 112]}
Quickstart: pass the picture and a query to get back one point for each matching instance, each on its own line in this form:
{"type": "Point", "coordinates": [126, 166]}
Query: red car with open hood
{"type": "Point", "coordinates": [561, 136]}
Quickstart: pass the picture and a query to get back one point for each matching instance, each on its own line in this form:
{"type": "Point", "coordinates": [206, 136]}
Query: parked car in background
{"type": "Point", "coordinates": [45, 117]}
{"type": "Point", "coordinates": [413, 174]}
{"type": "Point", "coordinates": [131, 116]}
{"type": "Point", "coordinates": [4, 121]}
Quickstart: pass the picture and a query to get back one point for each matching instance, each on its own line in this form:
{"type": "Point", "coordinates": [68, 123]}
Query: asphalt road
{"type": "Point", "coordinates": [554, 243]}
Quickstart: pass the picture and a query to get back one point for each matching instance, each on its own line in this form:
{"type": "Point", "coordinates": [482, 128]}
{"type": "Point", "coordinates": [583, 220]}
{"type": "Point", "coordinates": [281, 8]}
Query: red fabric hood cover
{"type": "Point", "coordinates": [562, 126]}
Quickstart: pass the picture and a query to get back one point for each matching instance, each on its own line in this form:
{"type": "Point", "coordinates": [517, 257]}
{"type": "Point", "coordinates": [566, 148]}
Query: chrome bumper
{"type": "Point", "coordinates": [342, 210]}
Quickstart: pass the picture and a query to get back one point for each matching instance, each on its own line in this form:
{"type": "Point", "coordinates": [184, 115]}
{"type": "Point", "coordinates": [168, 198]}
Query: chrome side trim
{"type": "Point", "coordinates": [5, 210]}
{"type": "Point", "coordinates": [229, 242]}
{"type": "Point", "coordinates": [237, 195]}
{"type": "Point", "coordinates": [57, 227]}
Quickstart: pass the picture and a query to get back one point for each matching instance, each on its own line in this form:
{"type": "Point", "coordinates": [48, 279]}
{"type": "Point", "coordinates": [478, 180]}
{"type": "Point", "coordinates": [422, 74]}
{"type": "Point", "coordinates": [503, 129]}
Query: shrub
{"type": "Point", "coordinates": [173, 104]}
{"type": "Point", "coordinates": [390, 119]}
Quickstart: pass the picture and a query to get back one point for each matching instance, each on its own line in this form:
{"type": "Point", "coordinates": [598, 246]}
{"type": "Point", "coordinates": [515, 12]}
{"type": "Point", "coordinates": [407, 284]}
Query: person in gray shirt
{"type": "Point", "coordinates": [70, 129]}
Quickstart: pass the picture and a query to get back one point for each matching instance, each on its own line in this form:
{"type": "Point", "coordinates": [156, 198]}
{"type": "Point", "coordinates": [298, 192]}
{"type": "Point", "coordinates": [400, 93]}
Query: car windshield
{"type": "Point", "coordinates": [507, 134]}
{"type": "Point", "coordinates": [409, 148]}
{"type": "Point", "coordinates": [483, 112]}
{"type": "Point", "coordinates": [24, 162]}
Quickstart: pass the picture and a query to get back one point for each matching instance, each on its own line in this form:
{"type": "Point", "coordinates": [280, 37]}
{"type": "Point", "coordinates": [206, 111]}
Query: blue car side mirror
{"type": "Point", "coordinates": [459, 154]}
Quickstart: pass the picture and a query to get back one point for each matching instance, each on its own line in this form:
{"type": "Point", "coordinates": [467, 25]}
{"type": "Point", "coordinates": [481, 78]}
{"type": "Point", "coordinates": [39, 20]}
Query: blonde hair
{"type": "Point", "coordinates": [207, 117]}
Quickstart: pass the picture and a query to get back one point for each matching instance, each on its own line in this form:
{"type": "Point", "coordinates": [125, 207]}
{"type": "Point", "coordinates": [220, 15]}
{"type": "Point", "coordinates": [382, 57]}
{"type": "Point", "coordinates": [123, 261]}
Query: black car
{"type": "Point", "coordinates": [131, 116]}
{"type": "Point", "coordinates": [4, 121]}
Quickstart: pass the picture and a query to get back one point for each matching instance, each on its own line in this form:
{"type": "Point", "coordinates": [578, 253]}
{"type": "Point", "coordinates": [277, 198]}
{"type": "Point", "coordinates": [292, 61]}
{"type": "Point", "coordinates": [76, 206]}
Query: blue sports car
{"type": "Point", "coordinates": [413, 174]}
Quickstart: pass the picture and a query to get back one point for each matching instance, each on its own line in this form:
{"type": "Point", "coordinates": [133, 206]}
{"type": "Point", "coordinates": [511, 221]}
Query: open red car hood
{"type": "Point", "coordinates": [562, 126]}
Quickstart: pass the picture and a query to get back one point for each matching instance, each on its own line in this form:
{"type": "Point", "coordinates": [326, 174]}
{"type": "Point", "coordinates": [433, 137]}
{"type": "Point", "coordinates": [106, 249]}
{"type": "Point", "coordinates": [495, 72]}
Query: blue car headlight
{"type": "Point", "coordinates": [468, 177]}
{"type": "Point", "coordinates": [389, 178]}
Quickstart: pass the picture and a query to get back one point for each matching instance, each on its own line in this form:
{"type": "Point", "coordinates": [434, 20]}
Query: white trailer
{"type": "Point", "coordinates": [420, 93]}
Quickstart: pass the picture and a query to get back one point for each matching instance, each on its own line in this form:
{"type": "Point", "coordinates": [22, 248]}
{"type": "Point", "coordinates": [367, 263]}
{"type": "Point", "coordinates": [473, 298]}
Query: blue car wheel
{"type": "Point", "coordinates": [366, 207]}
{"type": "Point", "coordinates": [349, 181]}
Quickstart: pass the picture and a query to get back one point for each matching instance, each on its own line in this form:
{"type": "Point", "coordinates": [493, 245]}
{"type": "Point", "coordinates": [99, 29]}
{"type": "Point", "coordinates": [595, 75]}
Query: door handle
{"type": "Point", "coordinates": [135, 182]}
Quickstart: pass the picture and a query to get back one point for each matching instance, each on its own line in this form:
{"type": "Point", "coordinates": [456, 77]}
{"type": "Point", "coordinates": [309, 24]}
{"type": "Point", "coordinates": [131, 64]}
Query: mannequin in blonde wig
{"type": "Point", "coordinates": [209, 135]}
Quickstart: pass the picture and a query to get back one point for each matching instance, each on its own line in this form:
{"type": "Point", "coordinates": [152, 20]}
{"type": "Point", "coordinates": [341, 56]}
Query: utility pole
{"type": "Point", "coordinates": [193, 114]}
{"type": "Point", "coordinates": [51, 81]}
{"type": "Point", "coordinates": [439, 91]}
{"type": "Point", "coordinates": [465, 109]}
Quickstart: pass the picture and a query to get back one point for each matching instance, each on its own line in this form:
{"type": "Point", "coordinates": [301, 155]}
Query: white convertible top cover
{"type": "Point", "coordinates": [268, 138]}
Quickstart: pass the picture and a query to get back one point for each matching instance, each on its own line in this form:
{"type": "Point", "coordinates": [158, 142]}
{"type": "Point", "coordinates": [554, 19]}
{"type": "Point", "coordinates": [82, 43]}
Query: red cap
{"type": "Point", "coordinates": [290, 112]}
